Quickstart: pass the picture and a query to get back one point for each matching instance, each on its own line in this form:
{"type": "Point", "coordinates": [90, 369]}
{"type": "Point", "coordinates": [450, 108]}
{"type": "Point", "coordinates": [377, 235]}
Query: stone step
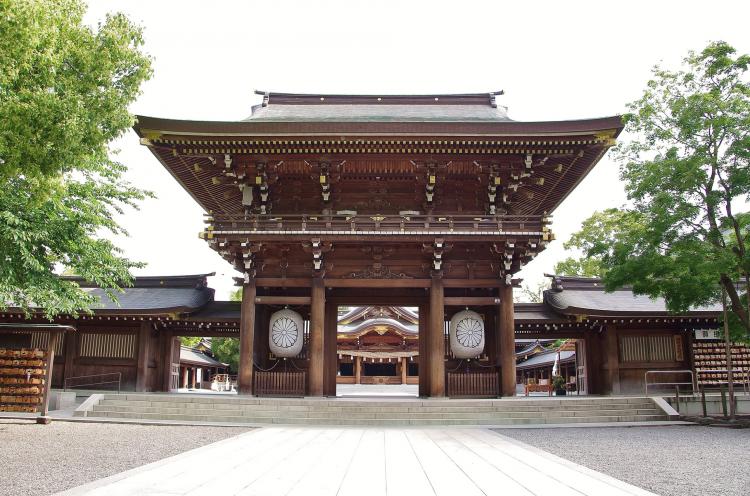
{"type": "Point", "coordinates": [505, 407]}
{"type": "Point", "coordinates": [380, 421]}
{"type": "Point", "coordinates": [372, 411]}
{"type": "Point", "coordinates": [543, 401]}
{"type": "Point", "coordinates": [373, 414]}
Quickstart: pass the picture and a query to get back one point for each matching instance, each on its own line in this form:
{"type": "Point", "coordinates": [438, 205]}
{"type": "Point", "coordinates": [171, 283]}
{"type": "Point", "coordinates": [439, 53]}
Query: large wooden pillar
{"type": "Point", "coordinates": [247, 337]}
{"type": "Point", "coordinates": [331, 359]}
{"type": "Point", "coordinates": [53, 338]}
{"type": "Point", "coordinates": [436, 343]}
{"type": "Point", "coordinates": [69, 351]}
{"type": "Point", "coordinates": [404, 370]}
{"type": "Point", "coordinates": [613, 359]}
{"type": "Point", "coordinates": [506, 341]}
{"type": "Point", "coordinates": [167, 351]}
{"type": "Point", "coordinates": [261, 348]}
{"type": "Point", "coordinates": [357, 370]}
{"type": "Point", "coordinates": [424, 356]}
{"type": "Point", "coordinates": [316, 370]}
{"type": "Point", "coordinates": [142, 371]}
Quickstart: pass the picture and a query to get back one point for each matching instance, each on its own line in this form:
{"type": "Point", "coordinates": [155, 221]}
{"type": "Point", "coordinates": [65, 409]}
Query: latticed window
{"type": "Point", "coordinates": [660, 348]}
{"type": "Point", "coordinates": [40, 340]}
{"type": "Point", "coordinates": [94, 345]}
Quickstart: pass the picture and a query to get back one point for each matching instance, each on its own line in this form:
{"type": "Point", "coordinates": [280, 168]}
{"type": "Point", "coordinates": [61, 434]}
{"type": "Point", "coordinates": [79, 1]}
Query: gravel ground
{"type": "Point", "coordinates": [670, 461]}
{"type": "Point", "coordinates": [43, 459]}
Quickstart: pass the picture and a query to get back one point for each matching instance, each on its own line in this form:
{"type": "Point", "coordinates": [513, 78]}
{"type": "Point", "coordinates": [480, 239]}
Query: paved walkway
{"type": "Point", "coordinates": [377, 390]}
{"type": "Point", "coordinates": [362, 462]}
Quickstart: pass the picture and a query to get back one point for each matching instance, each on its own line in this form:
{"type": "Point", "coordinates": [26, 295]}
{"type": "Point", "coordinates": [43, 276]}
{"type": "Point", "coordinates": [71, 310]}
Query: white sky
{"type": "Point", "coordinates": [555, 60]}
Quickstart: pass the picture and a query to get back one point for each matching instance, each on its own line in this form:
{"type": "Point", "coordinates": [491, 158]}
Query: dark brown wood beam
{"type": "Point", "coordinates": [470, 301]}
{"type": "Point", "coordinates": [377, 283]}
{"type": "Point", "coordinates": [472, 283]}
{"type": "Point", "coordinates": [282, 300]}
{"type": "Point", "coordinates": [282, 282]}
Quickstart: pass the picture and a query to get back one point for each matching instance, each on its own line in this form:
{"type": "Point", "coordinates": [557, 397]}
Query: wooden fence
{"type": "Point", "coordinates": [473, 385]}
{"type": "Point", "coordinates": [279, 383]}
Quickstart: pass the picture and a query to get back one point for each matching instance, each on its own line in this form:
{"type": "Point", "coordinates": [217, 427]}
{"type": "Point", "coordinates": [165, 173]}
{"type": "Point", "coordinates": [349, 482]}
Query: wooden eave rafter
{"type": "Point", "coordinates": [199, 170]}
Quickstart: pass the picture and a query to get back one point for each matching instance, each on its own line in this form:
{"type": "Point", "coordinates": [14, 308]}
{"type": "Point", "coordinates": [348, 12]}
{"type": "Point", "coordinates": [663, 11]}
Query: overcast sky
{"type": "Point", "coordinates": [555, 60]}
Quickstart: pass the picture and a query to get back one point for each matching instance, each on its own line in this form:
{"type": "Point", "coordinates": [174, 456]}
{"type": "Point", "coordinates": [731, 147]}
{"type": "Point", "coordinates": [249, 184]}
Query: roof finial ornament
{"type": "Point", "coordinates": [493, 94]}
{"type": "Point", "coordinates": [556, 284]}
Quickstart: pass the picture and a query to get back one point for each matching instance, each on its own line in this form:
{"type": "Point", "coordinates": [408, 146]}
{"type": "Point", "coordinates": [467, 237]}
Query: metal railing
{"type": "Point", "coordinates": [91, 382]}
{"type": "Point", "coordinates": [380, 223]}
{"type": "Point", "coordinates": [676, 384]}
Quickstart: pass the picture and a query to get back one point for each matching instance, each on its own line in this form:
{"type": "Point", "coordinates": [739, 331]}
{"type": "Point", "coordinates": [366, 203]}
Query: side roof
{"type": "Point", "coordinates": [586, 296]}
{"type": "Point", "coordinates": [154, 295]}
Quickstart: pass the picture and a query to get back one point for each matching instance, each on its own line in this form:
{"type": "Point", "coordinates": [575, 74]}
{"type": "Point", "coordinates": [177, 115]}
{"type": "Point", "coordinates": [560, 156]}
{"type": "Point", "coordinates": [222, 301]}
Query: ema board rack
{"type": "Point", "coordinates": [711, 363]}
{"type": "Point", "coordinates": [22, 379]}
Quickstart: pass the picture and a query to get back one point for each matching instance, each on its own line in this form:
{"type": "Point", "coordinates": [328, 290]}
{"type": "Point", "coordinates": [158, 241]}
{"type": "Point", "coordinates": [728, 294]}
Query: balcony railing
{"type": "Point", "coordinates": [380, 224]}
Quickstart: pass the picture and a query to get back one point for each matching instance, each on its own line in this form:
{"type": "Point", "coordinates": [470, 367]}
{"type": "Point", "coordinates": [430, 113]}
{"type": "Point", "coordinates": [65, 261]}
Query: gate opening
{"type": "Point", "coordinates": [377, 351]}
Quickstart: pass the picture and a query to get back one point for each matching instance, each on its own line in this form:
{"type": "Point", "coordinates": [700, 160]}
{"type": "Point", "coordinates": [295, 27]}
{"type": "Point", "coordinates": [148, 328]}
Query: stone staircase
{"type": "Point", "coordinates": [372, 412]}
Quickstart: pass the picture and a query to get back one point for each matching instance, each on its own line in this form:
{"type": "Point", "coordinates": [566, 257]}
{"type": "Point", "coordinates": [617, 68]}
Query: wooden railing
{"type": "Point", "coordinates": [511, 224]}
{"type": "Point", "coordinates": [473, 385]}
{"type": "Point", "coordinates": [279, 383]}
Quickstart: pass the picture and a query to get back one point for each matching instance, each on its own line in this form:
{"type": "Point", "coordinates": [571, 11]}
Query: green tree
{"type": "Point", "coordinates": [227, 350]}
{"type": "Point", "coordinates": [64, 95]}
{"type": "Point", "coordinates": [604, 226]}
{"type": "Point", "coordinates": [686, 169]}
{"type": "Point", "coordinates": [190, 341]}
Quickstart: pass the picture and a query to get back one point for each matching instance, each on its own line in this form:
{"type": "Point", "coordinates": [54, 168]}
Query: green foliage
{"type": "Point", "coordinates": [581, 267]}
{"type": "Point", "coordinates": [236, 295]}
{"type": "Point", "coordinates": [190, 341]}
{"type": "Point", "coordinates": [227, 350]}
{"type": "Point", "coordinates": [685, 168]}
{"type": "Point", "coordinates": [556, 344]}
{"type": "Point", "coordinates": [602, 227]}
{"type": "Point", "coordinates": [558, 382]}
{"type": "Point", "coordinates": [64, 93]}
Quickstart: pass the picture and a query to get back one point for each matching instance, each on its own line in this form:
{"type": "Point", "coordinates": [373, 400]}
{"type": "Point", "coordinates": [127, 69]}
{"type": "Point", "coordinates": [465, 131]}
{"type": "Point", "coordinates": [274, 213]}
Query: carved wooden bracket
{"type": "Point", "coordinates": [430, 174]}
{"type": "Point", "coordinates": [247, 254]}
{"type": "Point", "coordinates": [438, 248]}
{"type": "Point", "coordinates": [317, 248]}
{"type": "Point", "coordinates": [326, 173]}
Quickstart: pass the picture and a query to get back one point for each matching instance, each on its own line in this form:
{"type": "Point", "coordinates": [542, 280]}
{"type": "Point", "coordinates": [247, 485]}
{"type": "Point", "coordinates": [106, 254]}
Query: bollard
{"type": "Point", "coordinates": [677, 398]}
{"type": "Point", "coordinates": [703, 400]}
{"type": "Point", "coordinates": [723, 401]}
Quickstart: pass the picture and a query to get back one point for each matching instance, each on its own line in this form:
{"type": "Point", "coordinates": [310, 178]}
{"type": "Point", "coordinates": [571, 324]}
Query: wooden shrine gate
{"type": "Point", "coordinates": [433, 201]}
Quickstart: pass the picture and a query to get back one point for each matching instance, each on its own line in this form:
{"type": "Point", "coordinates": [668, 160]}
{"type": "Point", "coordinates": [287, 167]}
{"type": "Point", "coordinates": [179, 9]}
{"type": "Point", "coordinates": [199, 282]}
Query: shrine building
{"type": "Point", "coordinates": [378, 238]}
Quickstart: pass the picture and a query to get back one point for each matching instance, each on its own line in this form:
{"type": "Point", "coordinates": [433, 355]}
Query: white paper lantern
{"type": "Point", "coordinates": [285, 333]}
{"type": "Point", "coordinates": [467, 334]}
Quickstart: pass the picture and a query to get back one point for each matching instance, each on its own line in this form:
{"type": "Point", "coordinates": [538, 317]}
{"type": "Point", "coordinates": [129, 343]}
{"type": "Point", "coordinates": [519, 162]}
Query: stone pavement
{"type": "Point", "coordinates": [370, 461]}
